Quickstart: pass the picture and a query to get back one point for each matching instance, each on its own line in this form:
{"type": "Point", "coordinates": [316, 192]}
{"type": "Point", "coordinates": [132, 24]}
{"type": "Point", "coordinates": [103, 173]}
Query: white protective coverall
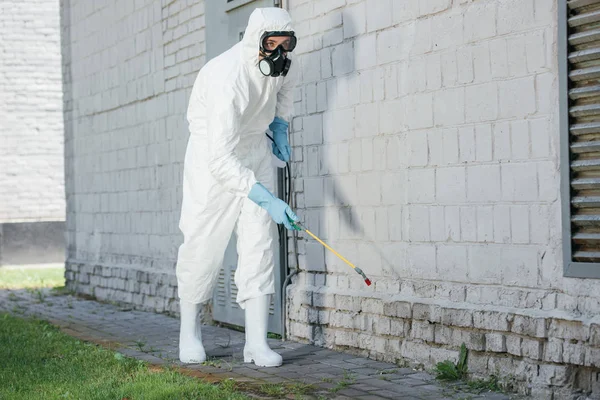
{"type": "Point", "coordinates": [231, 105]}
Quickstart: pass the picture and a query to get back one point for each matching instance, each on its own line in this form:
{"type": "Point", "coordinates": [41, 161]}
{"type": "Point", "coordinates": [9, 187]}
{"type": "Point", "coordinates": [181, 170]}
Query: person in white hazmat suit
{"type": "Point", "coordinates": [228, 179]}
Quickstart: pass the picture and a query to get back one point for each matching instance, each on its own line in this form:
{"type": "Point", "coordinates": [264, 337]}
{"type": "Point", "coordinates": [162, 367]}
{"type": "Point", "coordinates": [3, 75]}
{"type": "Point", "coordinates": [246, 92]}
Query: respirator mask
{"type": "Point", "coordinates": [274, 50]}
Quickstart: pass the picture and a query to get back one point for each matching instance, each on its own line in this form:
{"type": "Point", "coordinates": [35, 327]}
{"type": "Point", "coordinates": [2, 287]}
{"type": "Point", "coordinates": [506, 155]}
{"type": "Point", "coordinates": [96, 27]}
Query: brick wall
{"type": "Point", "coordinates": [426, 151]}
{"type": "Point", "coordinates": [31, 124]}
{"type": "Point", "coordinates": [129, 70]}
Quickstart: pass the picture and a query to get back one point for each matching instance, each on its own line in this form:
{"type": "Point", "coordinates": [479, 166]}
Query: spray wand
{"type": "Point", "coordinates": [299, 227]}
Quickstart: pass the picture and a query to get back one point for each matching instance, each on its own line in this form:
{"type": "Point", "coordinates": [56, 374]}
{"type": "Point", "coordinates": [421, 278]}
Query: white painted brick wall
{"type": "Point", "coordinates": [31, 123]}
{"type": "Point", "coordinates": [129, 73]}
{"type": "Point", "coordinates": [456, 115]}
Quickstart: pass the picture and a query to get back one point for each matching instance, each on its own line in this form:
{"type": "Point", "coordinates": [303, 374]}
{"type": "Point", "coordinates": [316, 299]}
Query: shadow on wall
{"type": "Point", "coordinates": [359, 163]}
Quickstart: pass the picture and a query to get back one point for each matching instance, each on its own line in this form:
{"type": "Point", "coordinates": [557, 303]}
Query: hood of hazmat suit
{"type": "Point", "coordinates": [230, 108]}
{"type": "Point", "coordinates": [232, 101]}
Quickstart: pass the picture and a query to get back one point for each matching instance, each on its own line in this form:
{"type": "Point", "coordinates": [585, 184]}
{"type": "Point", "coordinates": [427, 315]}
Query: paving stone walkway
{"type": "Point", "coordinates": [153, 338]}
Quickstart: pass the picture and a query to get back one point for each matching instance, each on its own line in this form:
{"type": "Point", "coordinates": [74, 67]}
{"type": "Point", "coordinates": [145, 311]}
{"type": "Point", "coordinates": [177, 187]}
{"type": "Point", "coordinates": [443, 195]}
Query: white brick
{"type": "Point", "coordinates": [540, 217]}
{"type": "Point", "coordinates": [419, 224]}
{"type": "Point", "coordinates": [313, 129]}
{"type": "Point", "coordinates": [390, 114]}
{"type": "Point", "coordinates": [346, 191]}
{"type": "Point", "coordinates": [499, 58]}
{"type": "Point", "coordinates": [484, 264]}
{"type": "Point", "coordinates": [381, 224]}
{"type": "Point", "coordinates": [483, 183]}
{"type": "Point", "coordinates": [378, 84]}
{"type": "Point", "coordinates": [421, 260]}
{"type": "Point", "coordinates": [393, 44]}
{"type": "Point", "coordinates": [393, 188]}
{"type": "Point", "coordinates": [436, 222]}
{"type": "Point", "coordinates": [367, 120]}
{"type": "Point", "coordinates": [452, 220]}
{"type": "Point", "coordinates": [417, 149]}
{"type": "Point", "coordinates": [313, 192]}
{"type": "Point", "coordinates": [435, 143]}
{"type": "Point", "coordinates": [540, 137]}
{"type": "Point", "coordinates": [434, 72]}
{"type": "Point", "coordinates": [517, 58]}
{"type": "Point", "coordinates": [447, 29]}
{"type": "Point", "coordinates": [365, 50]}
{"type": "Point", "coordinates": [468, 224]}
{"type": "Point", "coordinates": [379, 14]}
{"type": "Point", "coordinates": [355, 155]}
{"type": "Point", "coordinates": [481, 63]}
{"type": "Point", "coordinates": [485, 224]}
{"type": "Point", "coordinates": [397, 152]}
{"type": "Point", "coordinates": [480, 21]}
{"type": "Point", "coordinates": [501, 224]}
{"type": "Point", "coordinates": [449, 107]}
{"type": "Point", "coordinates": [310, 67]}
{"type": "Point", "coordinates": [483, 101]}
{"type": "Point", "coordinates": [451, 186]}
{"type": "Point", "coordinates": [519, 266]}
{"type": "Point", "coordinates": [369, 189]}
{"type": "Point", "coordinates": [502, 141]}
{"type": "Point", "coordinates": [355, 21]}
{"type": "Point", "coordinates": [367, 154]}
{"type": "Point", "coordinates": [452, 262]}
{"type": "Point", "coordinates": [483, 143]}
{"type": "Point", "coordinates": [421, 185]}
{"type": "Point", "coordinates": [310, 100]}
{"type": "Point", "coordinates": [395, 223]}
{"type": "Point", "coordinates": [391, 82]}
{"type": "Point", "coordinates": [466, 142]}
{"type": "Point", "coordinates": [514, 15]}
{"type": "Point", "coordinates": [451, 149]}
{"type": "Point", "coordinates": [419, 111]}
{"type": "Point", "coordinates": [547, 100]}
{"type": "Point", "coordinates": [449, 72]}
{"type": "Point", "coordinates": [520, 139]}
{"type": "Point", "coordinates": [536, 52]}
{"type": "Point", "coordinates": [519, 182]}
{"type": "Point", "coordinates": [338, 125]}
{"type": "Point", "coordinates": [519, 224]}
{"type": "Point", "coordinates": [548, 177]}
{"type": "Point", "coordinates": [321, 96]}
{"type": "Point", "coordinates": [405, 11]}
{"type": "Point", "coordinates": [420, 34]}
{"type": "Point", "coordinates": [333, 37]}
{"type": "Point", "coordinates": [379, 153]}
{"type": "Point", "coordinates": [326, 66]}
{"type": "Point", "coordinates": [343, 58]}
{"type": "Point", "coordinates": [416, 78]}
{"type": "Point", "coordinates": [343, 159]}
{"type": "Point", "coordinates": [464, 62]}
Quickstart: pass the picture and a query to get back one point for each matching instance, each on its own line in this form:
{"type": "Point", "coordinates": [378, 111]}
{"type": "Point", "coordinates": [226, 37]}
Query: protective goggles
{"type": "Point", "coordinates": [273, 39]}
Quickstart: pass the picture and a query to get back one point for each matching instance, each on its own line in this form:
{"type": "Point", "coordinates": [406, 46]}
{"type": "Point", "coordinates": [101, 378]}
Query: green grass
{"type": "Point", "coordinates": [40, 362]}
{"type": "Point", "coordinates": [347, 380]}
{"type": "Point", "coordinates": [23, 278]}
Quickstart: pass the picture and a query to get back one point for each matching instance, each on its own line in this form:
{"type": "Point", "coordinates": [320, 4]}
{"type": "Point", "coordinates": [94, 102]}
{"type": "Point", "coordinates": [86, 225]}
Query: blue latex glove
{"type": "Point", "coordinates": [281, 145]}
{"type": "Point", "coordinates": [277, 209]}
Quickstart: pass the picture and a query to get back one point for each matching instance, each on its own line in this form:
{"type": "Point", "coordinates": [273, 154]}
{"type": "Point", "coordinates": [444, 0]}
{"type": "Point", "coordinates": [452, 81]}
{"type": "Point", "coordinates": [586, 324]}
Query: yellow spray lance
{"type": "Point", "coordinates": [299, 227]}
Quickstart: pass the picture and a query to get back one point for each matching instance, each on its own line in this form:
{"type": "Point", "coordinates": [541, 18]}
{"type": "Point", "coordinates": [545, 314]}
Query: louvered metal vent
{"type": "Point", "coordinates": [584, 127]}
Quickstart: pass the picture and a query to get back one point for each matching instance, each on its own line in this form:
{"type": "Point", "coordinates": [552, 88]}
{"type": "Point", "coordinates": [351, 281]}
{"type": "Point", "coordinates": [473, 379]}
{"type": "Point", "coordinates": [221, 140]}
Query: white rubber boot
{"type": "Point", "coordinates": [191, 350]}
{"type": "Point", "coordinates": [256, 348]}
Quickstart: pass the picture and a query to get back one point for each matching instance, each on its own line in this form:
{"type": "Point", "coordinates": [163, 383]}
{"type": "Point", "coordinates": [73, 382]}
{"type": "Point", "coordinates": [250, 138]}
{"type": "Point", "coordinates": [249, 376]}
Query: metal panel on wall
{"type": "Point", "coordinates": [583, 27]}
